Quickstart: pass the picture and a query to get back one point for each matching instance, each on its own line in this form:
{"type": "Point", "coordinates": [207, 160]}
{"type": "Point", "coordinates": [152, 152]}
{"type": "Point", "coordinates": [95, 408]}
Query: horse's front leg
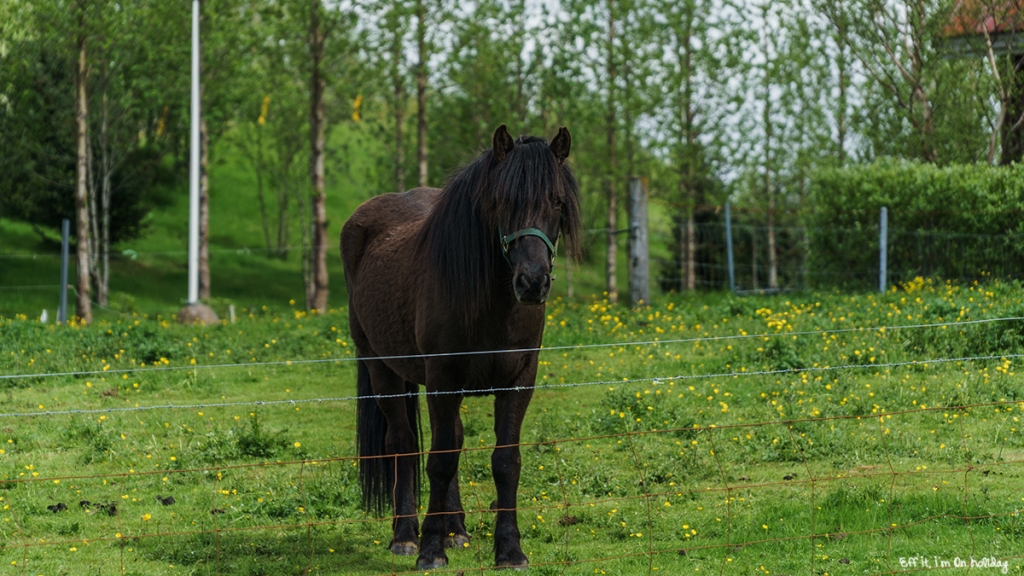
{"type": "Point", "coordinates": [442, 466]}
{"type": "Point", "coordinates": [509, 410]}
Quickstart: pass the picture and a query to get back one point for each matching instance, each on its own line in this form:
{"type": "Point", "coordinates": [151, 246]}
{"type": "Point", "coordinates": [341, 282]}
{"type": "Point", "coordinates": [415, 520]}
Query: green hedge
{"type": "Point", "coordinates": [958, 222]}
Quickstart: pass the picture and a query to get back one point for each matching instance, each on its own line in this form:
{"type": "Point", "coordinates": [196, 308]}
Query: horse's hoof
{"type": "Point", "coordinates": [515, 560]}
{"type": "Point", "coordinates": [404, 548]}
{"type": "Point", "coordinates": [457, 541]}
{"type": "Point", "coordinates": [431, 563]}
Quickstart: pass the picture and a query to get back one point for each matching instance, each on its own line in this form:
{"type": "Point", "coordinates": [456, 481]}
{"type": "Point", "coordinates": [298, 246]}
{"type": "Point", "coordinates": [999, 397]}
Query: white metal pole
{"type": "Point", "coordinates": [193, 191]}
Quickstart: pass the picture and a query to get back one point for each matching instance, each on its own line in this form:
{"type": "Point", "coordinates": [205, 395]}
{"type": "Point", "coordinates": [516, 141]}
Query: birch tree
{"type": "Point", "coordinates": [695, 62]}
{"type": "Point", "coordinates": [893, 41]}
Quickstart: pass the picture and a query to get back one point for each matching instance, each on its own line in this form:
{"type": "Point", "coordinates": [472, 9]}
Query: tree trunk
{"type": "Point", "coordinates": [753, 257]}
{"type": "Point", "coordinates": [568, 278]}
{"type": "Point", "coordinates": [1011, 113]}
{"type": "Point", "coordinates": [94, 220]}
{"type": "Point", "coordinates": [927, 126]}
{"type": "Point", "coordinates": [204, 211]}
{"type": "Point", "coordinates": [83, 305]}
{"type": "Point", "coordinates": [106, 165]}
{"type": "Point", "coordinates": [769, 193]}
{"type": "Point", "coordinates": [421, 93]}
{"type": "Point", "coordinates": [691, 251]}
{"type": "Point", "coordinates": [519, 10]}
{"type": "Point", "coordinates": [396, 74]}
{"type": "Point", "coordinates": [916, 20]}
{"type": "Point", "coordinates": [318, 255]}
{"type": "Point", "coordinates": [257, 165]}
{"type": "Point", "coordinates": [612, 216]}
{"type": "Point", "coordinates": [283, 198]}
{"type": "Point", "coordinates": [306, 229]}
{"type": "Point", "coordinates": [843, 67]}
{"type": "Point", "coordinates": [691, 171]}
{"type": "Point", "coordinates": [773, 263]}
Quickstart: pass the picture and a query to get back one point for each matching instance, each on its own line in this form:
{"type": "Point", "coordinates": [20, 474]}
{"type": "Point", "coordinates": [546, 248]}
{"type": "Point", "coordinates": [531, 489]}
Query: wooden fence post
{"type": "Point", "coordinates": [639, 261]}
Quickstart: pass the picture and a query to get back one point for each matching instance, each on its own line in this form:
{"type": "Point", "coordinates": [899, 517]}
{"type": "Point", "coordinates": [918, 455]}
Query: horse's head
{"type": "Point", "coordinates": [535, 198]}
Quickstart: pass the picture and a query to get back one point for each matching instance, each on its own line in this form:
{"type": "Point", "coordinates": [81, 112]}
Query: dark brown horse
{"type": "Point", "coordinates": [432, 272]}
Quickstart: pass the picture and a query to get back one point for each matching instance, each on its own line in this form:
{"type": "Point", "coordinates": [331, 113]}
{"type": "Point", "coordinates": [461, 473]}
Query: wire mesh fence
{"type": "Point", "coordinates": [786, 256]}
{"type": "Point", "coordinates": [819, 258]}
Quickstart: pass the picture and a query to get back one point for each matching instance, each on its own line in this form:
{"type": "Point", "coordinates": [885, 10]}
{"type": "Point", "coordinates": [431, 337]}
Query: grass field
{"type": "Point", "coordinates": [673, 457]}
{"type": "Point", "coordinates": [727, 474]}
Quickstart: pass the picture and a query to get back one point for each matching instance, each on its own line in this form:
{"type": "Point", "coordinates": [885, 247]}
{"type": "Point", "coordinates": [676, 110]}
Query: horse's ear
{"type": "Point", "coordinates": [561, 144]}
{"type": "Point", "coordinates": [503, 143]}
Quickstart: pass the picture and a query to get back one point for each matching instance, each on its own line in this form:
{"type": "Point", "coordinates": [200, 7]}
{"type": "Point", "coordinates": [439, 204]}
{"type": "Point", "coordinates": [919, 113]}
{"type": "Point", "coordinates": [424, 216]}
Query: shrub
{"type": "Point", "coordinates": [956, 221]}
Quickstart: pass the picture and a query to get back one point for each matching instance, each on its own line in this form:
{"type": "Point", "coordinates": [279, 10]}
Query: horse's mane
{"type": "Point", "coordinates": [460, 237]}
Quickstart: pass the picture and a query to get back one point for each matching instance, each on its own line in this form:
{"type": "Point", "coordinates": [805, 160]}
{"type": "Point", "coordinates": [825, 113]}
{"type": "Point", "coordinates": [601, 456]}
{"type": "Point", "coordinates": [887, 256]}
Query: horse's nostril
{"type": "Point", "coordinates": [522, 283]}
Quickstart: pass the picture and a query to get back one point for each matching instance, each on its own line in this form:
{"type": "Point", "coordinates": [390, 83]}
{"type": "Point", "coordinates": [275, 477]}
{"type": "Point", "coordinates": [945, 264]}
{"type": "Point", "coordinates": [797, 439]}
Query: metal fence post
{"type": "Point", "coordinates": [62, 310]}
{"type": "Point", "coordinates": [728, 248]}
{"type": "Point", "coordinates": [883, 250]}
{"type": "Point", "coordinates": [639, 261]}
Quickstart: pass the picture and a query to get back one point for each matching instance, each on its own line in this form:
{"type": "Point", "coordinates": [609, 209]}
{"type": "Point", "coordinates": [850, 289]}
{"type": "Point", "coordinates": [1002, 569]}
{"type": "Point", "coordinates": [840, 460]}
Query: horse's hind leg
{"type": "Point", "coordinates": [400, 439]}
{"type": "Point", "coordinates": [457, 537]}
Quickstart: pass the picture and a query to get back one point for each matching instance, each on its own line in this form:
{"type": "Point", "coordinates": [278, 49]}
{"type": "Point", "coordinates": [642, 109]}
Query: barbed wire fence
{"type": "Point", "coordinates": [646, 496]}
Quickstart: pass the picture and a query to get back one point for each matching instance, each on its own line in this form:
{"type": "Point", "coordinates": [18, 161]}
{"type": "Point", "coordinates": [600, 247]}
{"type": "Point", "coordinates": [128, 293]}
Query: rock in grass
{"type": "Point", "coordinates": [58, 507]}
{"type": "Point", "coordinates": [197, 313]}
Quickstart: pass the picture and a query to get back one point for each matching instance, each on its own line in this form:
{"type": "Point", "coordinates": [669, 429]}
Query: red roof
{"type": "Point", "coordinates": [974, 17]}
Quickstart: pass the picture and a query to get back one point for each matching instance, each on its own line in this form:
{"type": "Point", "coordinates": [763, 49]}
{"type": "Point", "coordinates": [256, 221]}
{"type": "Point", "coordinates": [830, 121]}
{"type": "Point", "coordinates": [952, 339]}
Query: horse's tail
{"type": "Point", "coordinates": [376, 474]}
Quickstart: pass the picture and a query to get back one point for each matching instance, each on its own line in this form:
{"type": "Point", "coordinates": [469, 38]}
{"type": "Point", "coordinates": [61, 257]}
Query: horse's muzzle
{"type": "Point", "coordinates": [532, 288]}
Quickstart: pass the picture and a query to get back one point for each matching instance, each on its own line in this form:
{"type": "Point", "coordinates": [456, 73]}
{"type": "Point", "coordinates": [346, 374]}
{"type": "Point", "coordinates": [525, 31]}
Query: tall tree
{"type": "Point", "coordinates": [991, 30]}
{"type": "Point", "coordinates": [393, 29]}
{"type": "Point", "coordinates": [487, 57]}
{"type": "Point", "coordinates": [782, 115]}
{"type": "Point", "coordinates": [894, 41]}
{"type": "Point", "coordinates": [317, 129]}
{"type": "Point", "coordinates": [835, 32]}
{"type": "Point", "coordinates": [421, 92]}
{"type": "Point", "coordinates": [83, 303]}
{"type": "Point", "coordinates": [228, 33]}
{"type": "Point", "coordinates": [696, 54]}
{"type": "Point", "coordinates": [612, 222]}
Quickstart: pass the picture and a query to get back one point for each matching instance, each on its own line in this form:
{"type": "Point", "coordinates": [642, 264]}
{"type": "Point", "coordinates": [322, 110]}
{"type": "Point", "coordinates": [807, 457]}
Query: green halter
{"type": "Point", "coordinates": [507, 239]}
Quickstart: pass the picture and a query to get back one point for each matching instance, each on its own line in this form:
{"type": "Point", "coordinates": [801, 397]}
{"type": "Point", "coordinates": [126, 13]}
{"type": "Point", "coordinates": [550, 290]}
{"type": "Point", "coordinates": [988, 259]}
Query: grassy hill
{"type": "Point", "coordinates": [150, 274]}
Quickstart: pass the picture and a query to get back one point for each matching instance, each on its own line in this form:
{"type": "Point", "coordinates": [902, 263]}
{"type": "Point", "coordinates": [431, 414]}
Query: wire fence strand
{"type": "Point", "coordinates": [561, 348]}
{"type": "Point", "coordinates": [641, 495]}
{"type": "Point", "coordinates": [501, 389]}
{"type": "Point", "coordinates": [564, 504]}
